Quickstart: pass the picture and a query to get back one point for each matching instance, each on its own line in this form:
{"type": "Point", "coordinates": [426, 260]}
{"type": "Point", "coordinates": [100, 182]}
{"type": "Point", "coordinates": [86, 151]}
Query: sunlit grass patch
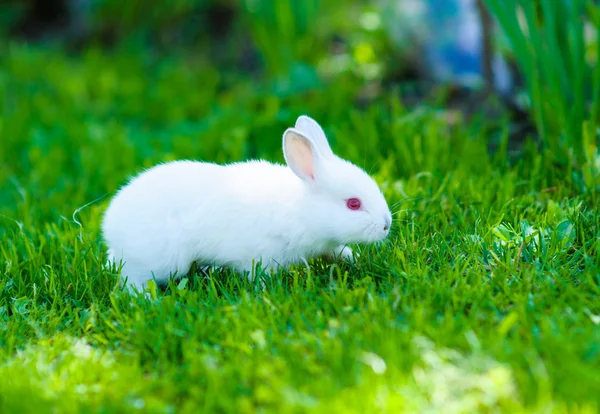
{"type": "Point", "coordinates": [66, 374]}
{"type": "Point", "coordinates": [442, 380]}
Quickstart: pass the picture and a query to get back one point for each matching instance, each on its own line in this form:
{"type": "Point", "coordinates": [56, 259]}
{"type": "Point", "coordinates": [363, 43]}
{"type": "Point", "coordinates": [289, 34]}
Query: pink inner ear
{"type": "Point", "coordinates": [302, 156]}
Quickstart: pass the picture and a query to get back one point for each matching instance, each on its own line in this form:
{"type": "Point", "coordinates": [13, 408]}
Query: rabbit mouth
{"type": "Point", "coordinates": [374, 233]}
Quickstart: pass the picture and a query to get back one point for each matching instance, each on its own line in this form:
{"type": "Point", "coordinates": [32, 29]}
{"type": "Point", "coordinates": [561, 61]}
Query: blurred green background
{"type": "Point", "coordinates": [525, 65]}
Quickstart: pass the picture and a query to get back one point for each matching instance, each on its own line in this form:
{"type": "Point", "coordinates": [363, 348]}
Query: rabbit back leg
{"type": "Point", "coordinates": [133, 276]}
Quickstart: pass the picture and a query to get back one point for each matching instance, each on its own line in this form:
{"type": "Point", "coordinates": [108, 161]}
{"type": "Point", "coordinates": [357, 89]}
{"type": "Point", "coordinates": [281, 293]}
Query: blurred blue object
{"type": "Point", "coordinates": [451, 35]}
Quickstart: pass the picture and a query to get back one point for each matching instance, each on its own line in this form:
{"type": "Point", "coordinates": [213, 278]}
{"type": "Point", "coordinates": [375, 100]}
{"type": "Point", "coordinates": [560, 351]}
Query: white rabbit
{"type": "Point", "coordinates": [235, 215]}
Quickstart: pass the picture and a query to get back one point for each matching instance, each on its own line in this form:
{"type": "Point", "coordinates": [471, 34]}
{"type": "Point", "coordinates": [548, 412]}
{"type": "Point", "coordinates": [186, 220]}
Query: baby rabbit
{"type": "Point", "coordinates": [235, 215]}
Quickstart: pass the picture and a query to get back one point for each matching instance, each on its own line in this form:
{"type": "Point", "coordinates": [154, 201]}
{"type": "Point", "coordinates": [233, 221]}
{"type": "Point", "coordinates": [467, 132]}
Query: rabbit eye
{"type": "Point", "coordinates": [353, 203]}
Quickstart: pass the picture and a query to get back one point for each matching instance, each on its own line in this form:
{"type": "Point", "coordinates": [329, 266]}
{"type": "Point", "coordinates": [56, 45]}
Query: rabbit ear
{"type": "Point", "coordinates": [300, 153]}
{"type": "Point", "coordinates": [311, 128]}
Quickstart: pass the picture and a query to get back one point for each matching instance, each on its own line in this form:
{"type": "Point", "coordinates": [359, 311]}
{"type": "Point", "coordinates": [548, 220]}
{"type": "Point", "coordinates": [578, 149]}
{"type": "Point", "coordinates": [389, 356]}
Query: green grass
{"type": "Point", "coordinates": [560, 64]}
{"type": "Point", "coordinates": [485, 298]}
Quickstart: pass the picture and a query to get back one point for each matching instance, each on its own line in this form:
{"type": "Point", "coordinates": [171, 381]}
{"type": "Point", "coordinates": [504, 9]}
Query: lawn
{"type": "Point", "coordinates": [485, 298]}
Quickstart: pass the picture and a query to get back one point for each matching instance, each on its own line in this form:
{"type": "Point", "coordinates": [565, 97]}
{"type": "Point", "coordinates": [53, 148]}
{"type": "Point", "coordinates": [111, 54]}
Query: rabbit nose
{"type": "Point", "coordinates": [387, 223]}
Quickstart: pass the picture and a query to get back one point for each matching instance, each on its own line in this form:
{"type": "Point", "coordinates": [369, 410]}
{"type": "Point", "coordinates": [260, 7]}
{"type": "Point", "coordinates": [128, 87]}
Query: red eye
{"type": "Point", "coordinates": [353, 203]}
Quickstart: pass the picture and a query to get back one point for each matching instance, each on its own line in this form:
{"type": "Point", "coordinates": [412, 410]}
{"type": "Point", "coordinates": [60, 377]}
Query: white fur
{"type": "Point", "coordinates": [178, 213]}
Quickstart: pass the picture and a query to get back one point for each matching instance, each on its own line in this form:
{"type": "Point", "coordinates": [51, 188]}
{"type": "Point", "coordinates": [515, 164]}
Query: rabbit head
{"type": "Point", "coordinates": [345, 201]}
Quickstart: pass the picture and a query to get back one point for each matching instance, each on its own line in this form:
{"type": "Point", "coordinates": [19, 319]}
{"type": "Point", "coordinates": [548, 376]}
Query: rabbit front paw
{"type": "Point", "coordinates": [342, 252]}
